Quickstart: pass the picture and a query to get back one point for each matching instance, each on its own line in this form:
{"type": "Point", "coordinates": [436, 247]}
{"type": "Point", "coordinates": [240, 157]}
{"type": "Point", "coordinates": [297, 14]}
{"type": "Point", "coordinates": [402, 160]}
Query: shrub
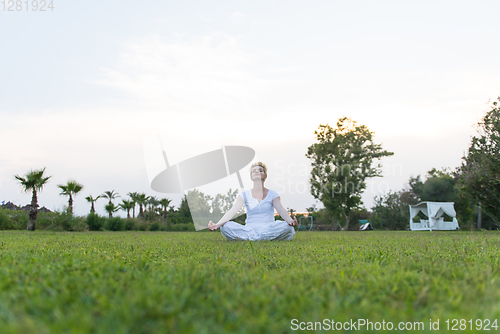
{"type": "Point", "coordinates": [142, 226]}
{"type": "Point", "coordinates": [19, 219]}
{"type": "Point", "coordinates": [391, 210]}
{"type": "Point", "coordinates": [5, 222]}
{"type": "Point", "coordinates": [65, 221]}
{"type": "Point", "coordinates": [56, 221]}
{"type": "Point", "coordinates": [114, 224]}
{"type": "Point", "coordinates": [45, 220]}
{"type": "Point", "coordinates": [129, 224]}
{"type": "Point", "coordinates": [174, 220]}
{"type": "Point", "coordinates": [94, 222]}
{"type": "Point", "coordinates": [154, 227]}
{"type": "Point", "coordinates": [182, 228]}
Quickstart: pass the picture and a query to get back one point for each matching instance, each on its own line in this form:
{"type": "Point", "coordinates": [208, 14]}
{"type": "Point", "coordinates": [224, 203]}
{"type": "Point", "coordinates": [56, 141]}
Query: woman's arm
{"type": "Point", "coordinates": [283, 213]}
{"type": "Point", "coordinates": [230, 214]}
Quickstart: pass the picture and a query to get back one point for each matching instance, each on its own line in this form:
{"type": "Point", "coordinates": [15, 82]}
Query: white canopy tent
{"type": "Point", "coordinates": [434, 212]}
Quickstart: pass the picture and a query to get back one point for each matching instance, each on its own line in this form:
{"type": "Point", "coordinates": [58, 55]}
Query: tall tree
{"type": "Point", "coordinates": [184, 210]}
{"type": "Point", "coordinates": [141, 200]}
{"type": "Point", "coordinates": [479, 174]}
{"type": "Point", "coordinates": [439, 186]}
{"type": "Point", "coordinates": [33, 181]}
{"type": "Point", "coordinates": [111, 208]}
{"type": "Point", "coordinates": [164, 202]}
{"type": "Point", "coordinates": [133, 197]}
{"type": "Point", "coordinates": [153, 203]}
{"type": "Point", "coordinates": [110, 195]}
{"type": "Point", "coordinates": [70, 189]}
{"type": "Point", "coordinates": [222, 203]}
{"type": "Point", "coordinates": [199, 203]}
{"type": "Point", "coordinates": [127, 206]}
{"type": "Point", "coordinates": [341, 161]}
{"type": "Point", "coordinates": [92, 200]}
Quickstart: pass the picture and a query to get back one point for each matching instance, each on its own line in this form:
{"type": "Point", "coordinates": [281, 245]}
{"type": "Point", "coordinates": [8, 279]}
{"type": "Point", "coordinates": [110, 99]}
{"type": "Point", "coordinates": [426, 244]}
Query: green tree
{"type": "Point", "coordinates": [152, 201]}
{"type": "Point", "coordinates": [184, 210]}
{"type": "Point", "coordinates": [479, 174]}
{"type": "Point", "coordinates": [33, 181]}
{"type": "Point", "coordinates": [341, 162]}
{"type": "Point", "coordinates": [164, 202]}
{"type": "Point", "coordinates": [70, 189]}
{"type": "Point", "coordinates": [391, 211]}
{"type": "Point", "coordinates": [92, 200]}
{"type": "Point", "coordinates": [141, 199]}
{"type": "Point", "coordinates": [442, 186]}
{"type": "Point", "coordinates": [311, 209]}
{"type": "Point", "coordinates": [127, 206]}
{"type": "Point", "coordinates": [111, 208]}
{"type": "Point", "coordinates": [110, 195]}
{"type": "Point", "coordinates": [221, 203]}
{"type": "Point", "coordinates": [439, 186]}
{"type": "Point", "coordinates": [133, 197]}
{"type": "Point", "coordinates": [199, 203]}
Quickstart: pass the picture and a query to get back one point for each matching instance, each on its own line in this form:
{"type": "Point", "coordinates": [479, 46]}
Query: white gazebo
{"type": "Point", "coordinates": [435, 220]}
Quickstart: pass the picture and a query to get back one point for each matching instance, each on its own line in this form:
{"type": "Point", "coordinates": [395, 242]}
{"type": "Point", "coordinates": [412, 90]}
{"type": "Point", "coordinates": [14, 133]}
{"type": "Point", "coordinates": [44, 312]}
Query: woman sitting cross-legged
{"type": "Point", "coordinates": [260, 203]}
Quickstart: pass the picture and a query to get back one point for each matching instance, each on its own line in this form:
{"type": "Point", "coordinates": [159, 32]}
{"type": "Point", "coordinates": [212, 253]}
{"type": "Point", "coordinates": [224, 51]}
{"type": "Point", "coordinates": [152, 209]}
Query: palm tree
{"type": "Point", "coordinates": [153, 203]}
{"type": "Point", "coordinates": [133, 197]}
{"type": "Point", "coordinates": [311, 209]}
{"type": "Point", "coordinates": [33, 181]}
{"type": "Point", "coordinates": [141, 200]}
{"type": "Point", "coordinates": [110, 195]}
{"type": "Point", "coordinates": [69, 189]}
{"type": "Point", "coordinates": [110, 208]}
{"type": "Point", "coordinates": [92, 200]}
{"type": "Point", "coordinates": [127, 205]}
{"type": "Point", "coordinates": [164, 202]}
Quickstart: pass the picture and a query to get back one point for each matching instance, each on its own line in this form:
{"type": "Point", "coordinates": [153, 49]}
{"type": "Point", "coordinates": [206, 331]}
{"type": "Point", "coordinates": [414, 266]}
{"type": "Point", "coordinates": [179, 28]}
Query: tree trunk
{"type": "Point", "coordinates": [133, 211]}
{"type": "Point", "coordinates": [92, 209]}
{"type": "Point", "coordinates": [141, 212]}
{"type": "Point", "coordinates": [128, 214]}
{"type": "Point", "coordinates": [33, 212]}
{"type": "Point", "coordinates": [346, 221]}
{"type": "Point", "coordinates": [70, 205]}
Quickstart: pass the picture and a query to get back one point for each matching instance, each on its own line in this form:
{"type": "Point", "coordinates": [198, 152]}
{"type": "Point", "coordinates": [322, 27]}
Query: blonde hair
{"type": "Point", "coordinates": [261, 164]}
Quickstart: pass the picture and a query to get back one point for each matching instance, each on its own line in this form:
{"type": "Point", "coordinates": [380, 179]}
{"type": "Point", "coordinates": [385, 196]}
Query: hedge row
{"type": "Point", "coordinates": [57, 221]}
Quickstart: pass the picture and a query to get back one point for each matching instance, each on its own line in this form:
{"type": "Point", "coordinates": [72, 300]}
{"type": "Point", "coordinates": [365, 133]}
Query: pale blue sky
{"type": "Point", "coordinates": [81, 87]}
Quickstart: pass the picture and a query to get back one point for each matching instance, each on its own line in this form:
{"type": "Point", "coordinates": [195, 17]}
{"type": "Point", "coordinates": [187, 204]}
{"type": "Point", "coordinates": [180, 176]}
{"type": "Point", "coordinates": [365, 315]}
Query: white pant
{"type": "Point", "coordinates": [277, 230]}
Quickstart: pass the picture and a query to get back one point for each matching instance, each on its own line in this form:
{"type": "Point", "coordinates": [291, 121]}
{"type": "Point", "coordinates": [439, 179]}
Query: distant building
{"type": "Point", "coordinates": [10, 206]}
{"type": "Point", "coordinates": [13, 207]}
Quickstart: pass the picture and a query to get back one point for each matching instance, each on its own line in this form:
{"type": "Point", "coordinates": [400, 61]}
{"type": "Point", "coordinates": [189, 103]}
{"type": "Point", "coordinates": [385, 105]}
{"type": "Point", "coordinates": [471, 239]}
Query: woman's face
{"type": "Point", "coordinates": [258, 172]}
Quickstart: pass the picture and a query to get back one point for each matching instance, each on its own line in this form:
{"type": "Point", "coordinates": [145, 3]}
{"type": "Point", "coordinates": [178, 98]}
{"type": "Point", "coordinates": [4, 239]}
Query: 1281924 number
{"type": "Point", "coordinates": [479, 324]}
{"type": "Point", "coordinates": [27, 5]}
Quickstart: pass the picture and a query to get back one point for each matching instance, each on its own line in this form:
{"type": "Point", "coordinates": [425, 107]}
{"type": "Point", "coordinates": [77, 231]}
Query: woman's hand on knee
{"type": "Point", "coordinates": [212, 226]}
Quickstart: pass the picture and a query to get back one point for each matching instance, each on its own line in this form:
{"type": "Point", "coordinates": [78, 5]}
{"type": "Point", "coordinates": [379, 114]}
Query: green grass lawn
{"type": "Point", "coordinates": [143, 282]}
